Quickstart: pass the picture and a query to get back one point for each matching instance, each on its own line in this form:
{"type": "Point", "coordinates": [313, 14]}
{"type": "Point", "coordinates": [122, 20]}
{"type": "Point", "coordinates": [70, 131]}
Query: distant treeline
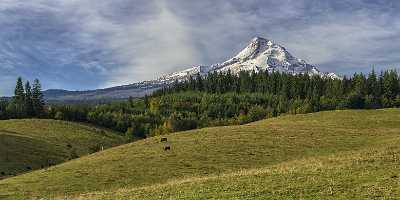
{"type": "Point", "coordinates": [227, 99]}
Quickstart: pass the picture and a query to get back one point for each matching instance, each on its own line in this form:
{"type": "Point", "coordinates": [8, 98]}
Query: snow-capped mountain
{"type": "Point", "coordinates": [260, 54]}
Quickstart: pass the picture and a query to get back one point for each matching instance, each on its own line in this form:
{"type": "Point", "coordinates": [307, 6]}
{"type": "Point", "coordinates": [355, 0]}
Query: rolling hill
{"type": "Point", "coordinates": [326, 155]}
{"type": "Point", "coordinates": [31, 144]}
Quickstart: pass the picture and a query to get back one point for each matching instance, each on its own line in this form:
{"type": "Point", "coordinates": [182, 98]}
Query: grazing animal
{"type": "Point", "coordinates": [167, 148]}
{"type": "Point", "coordinates": [3, 173]}
{"type": "Point", "coordinates": [29, 168]}
{"type": "Point", "coordinates": [164, 139]}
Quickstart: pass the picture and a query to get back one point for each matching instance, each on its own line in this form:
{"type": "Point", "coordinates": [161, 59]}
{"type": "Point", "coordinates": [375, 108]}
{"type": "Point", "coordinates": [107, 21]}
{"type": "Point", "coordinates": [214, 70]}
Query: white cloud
{"type": "Point", "coordinates": [153, 47]}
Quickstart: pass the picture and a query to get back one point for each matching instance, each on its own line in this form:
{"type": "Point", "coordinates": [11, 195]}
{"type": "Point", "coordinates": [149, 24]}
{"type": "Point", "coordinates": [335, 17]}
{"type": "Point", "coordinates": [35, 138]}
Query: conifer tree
{"type": "Point", "coordinates": [37, 98]}
{"type": "Point", "coordinates": [28, 100]}
{"type": "Point", "coordinates": [19, 99]}
{"type": "Point", "coordinates": [19, 95]}
{"type": "Point", "coordinates": [372, 84]}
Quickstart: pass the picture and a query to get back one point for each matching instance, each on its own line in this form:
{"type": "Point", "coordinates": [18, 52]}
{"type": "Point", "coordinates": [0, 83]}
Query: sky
{"type": "Point", "coordinates": [89, 44]}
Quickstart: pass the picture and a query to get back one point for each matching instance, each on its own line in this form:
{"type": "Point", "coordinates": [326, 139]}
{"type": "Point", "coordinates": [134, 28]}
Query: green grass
{"type": "Point", "coordinates": [36, 143]}
{"type": "Point", "coordinates": [326, 155]}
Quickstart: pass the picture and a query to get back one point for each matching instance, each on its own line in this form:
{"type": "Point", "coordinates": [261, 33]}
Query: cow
{"type": "Point", "coordinates": [164, 139]}
{"type": "Point", "coordinates": [167, 148]}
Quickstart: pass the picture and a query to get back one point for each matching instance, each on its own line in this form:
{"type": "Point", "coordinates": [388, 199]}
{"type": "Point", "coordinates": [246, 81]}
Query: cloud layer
{"type": "Point", "coordinates": [87, 44]}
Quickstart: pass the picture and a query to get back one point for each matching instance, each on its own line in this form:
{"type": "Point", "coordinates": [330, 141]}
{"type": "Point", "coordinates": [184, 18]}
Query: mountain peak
{"type": "Point", "coordinates": [257, 46]}
{"type": "Point", "coordinates": [256, 39]}
{"type": "Point", "coordinates": [261, 41]}
{"type": "Point", "coordinates": [260, 54]}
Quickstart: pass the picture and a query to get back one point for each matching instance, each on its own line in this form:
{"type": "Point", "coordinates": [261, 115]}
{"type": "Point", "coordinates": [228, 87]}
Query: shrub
{"type": "Point", "coordinates": [73, 154]}
{"type": "Point", "coordinates": [256, 113]}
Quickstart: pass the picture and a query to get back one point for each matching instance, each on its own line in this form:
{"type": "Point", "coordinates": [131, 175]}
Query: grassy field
{"type": "Point", "coordinates": [326, 155]}
{"type": "Point", "coordinates": [27, 145]}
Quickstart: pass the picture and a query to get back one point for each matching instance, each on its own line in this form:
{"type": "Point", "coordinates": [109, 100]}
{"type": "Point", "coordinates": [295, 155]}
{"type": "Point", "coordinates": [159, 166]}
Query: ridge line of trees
{"type": "Point", "coordinates": [228, 99]}
{"type": "Point", "coordinates": [219, 99]}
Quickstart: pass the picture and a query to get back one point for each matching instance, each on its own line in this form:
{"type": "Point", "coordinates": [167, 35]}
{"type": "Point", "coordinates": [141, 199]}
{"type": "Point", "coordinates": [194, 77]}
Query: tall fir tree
{"type": "Point", "coordinates": [37, 98]}
{"type": "Point", "coordinates": [19, 99]}
{"type": "Point", "coordinates": [28, 100]}
{"type": "Point", "coordinates": [373, 84]}
{"type": "Point", "coordinates": [19, 95]}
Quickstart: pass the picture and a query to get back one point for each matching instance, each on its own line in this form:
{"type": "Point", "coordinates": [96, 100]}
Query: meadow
{"type": "Point", "coordinates": [31, 144]}
{"type": "Point", "coordinates": [325, 155]}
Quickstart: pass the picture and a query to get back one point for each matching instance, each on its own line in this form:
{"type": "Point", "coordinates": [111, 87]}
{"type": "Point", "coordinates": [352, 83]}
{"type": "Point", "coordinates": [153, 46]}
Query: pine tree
{"type": "Point", "coordinates": [373, 85]}
{"type": "Point", "coordinates": [19, 91]}
{"type": "Point", "coordinates": [19, 99]}
{"type": "Point", "coordinates": [37, 98]}
{"type": "Point", "coordinates": [28, 100]}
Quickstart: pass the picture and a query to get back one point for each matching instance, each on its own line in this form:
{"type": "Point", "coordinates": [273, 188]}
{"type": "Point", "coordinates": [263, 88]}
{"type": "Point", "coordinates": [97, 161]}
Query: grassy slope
{"type": "Point", "coordinates": [36, 143]}
{"type": "Point", "coordinates": [339, 154]}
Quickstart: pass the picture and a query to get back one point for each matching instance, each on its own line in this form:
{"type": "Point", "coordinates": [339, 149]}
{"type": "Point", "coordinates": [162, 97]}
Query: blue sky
{"type": "Point", "coordinates": [88, 44]}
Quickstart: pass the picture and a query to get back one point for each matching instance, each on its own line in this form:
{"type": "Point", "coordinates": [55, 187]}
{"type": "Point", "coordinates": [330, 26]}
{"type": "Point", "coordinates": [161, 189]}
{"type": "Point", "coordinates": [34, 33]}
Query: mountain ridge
{"type": "Point", "coordinates": [259, 55]}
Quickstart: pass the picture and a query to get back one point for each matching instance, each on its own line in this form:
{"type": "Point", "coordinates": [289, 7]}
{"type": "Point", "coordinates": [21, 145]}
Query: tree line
{"type": "Point", "coordinates": [358, 91]}
{"type": "Point", "coordinates": [227, 99]}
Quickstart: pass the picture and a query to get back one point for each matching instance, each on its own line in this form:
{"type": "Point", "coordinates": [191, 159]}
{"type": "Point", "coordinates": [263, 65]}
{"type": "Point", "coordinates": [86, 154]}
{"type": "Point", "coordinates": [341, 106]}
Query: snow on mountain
{"type": "Point", "coordinates": [202, 70]}
{"type": "Point", "coordinates": [260, 54]}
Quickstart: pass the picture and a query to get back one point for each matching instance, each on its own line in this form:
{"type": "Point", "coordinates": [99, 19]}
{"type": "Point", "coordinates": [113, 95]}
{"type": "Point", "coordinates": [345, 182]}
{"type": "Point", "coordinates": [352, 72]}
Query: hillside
{"type": "Point", "coordinates": [31, 144]}
{"type": "Point", "coordinates": [328, 155]}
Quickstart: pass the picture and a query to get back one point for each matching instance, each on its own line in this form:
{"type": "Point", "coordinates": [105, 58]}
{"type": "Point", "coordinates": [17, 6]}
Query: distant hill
{"type": "Point", "coordinates": [326, 155]}
{"type": "Point", "coordinates": [101, 95]}
{"type": "Point", "coordinates": [260, 54]}
{"type": "Point", "coordinates": [5, 98]}
{"type": "Point", "coordinates": [31, 144]}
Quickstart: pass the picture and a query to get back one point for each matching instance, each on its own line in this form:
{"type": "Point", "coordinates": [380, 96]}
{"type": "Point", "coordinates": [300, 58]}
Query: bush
{"type": "Point", "coordinates": [94, 149]}
{"type": "Point", "coordinates": [129, 134]}
{"type": "Point", "coordinates": [356, 101]}
{"type": "Point", "coordinates": [180, 122]}
{"type": "Point", "coordinates": [243, 118]}
{"type": "Point", "coordinates": [73, 154]}
{"type": "Point", "coordinates": [397, 102]}
{"type": "Point", "coordinates": [59, 116]}
{"type": "Point", "coordinates": [256, 113]}
{"type": "Point", "coordinates": [371, 102]}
